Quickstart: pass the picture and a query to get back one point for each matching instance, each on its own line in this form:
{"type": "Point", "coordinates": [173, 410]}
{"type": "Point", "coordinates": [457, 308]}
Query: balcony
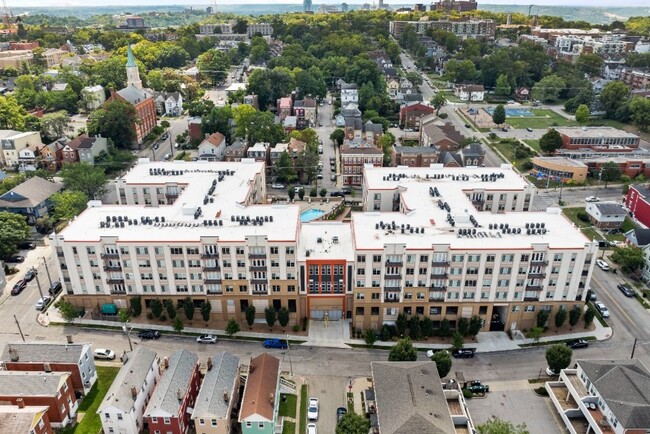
{"type": "Point", "coordinates": [258, 268]}
{"type": "Point", "coordinates": [209, 255]}
{"type": "Point", "coordinates": [533, 288]}
{"type": "Point", "coordinates": [211, 280]}
{"type": "Point", "coordinates": [391, 300]}
{"type": "Point", "coordinates": [536, 275]}
{"type": "Point", "coordinates": [260, 291]}
{"type": "Point", "coordinates": [390, 263]}
{"type": "Point", "coordinates": [440, 263]}
{"type": "Point", "coordinates": [392, 277]}
{"type": "Point", "coordinates": [115, 280]}
{"type": "Point", "coordinates": [112, 268]}
{"type": "Point", "coordinates": [537, 263]}
{"type": "Point", "coordinates": [215, 292]}
{"type": "Point", "coordinates": [257, 256]}
{"type": "Point", "coordinates": [438, 275]}
{"type": "Point", "coordinates": [392, 288]}
{"type": "Point", "coordinates": [118, 291]}
{"type": "Point", "coordinates": [531, 298]}
{"type": "Point", "coordinates": [114, 255]}
{"type": "Point", "coordinates": [259, 282]}
{"type": "Point", "coordinates": [211, 267]}
{"type": "Point", "coordinates": [59, 254]}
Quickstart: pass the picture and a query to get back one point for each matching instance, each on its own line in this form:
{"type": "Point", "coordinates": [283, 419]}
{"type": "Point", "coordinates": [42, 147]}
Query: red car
{"type": "Point", "coordinates": [18, 287]}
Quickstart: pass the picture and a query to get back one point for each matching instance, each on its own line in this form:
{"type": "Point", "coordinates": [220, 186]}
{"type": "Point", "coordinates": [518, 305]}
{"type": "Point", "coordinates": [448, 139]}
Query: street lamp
{"type": "Point", "coordinates": [38, 282]}
{"type": "Point", "coordinates": [47, 270]}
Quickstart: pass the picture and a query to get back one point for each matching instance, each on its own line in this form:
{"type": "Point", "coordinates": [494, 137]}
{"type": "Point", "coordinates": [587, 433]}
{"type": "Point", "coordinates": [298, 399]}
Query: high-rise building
{"type": "Point", "coordinates": [456, 5]}
{"type": "Point", "coordinates": [306, 4]}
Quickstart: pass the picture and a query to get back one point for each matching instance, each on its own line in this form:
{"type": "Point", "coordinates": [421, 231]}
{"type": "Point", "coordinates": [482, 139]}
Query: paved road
{"type": "Point", "coordinates": [575, 196]}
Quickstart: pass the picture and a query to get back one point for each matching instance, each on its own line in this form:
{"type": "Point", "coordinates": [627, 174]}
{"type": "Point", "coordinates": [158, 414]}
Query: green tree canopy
{"type": "Point", "coordinates": [589, 63]}
{"type": "Point", "coordinates": [499, 426]}
{"type": "Point", "coordinates": [443, 362]}
{"type": "Point", "coordinates": [549, 88]}
{"type": "Point", "coordinates": [270, 315]}
{"type": "Point", "coordinates": [438, 102]}
{"type": "Point", "coordinates": [85, 178]}
{"type": "Point", "coordinates": [503, 87]}
{"type": "Point", "coordinates": [353, 423]}
{"type": "Point", "coordinates": [13, 231]}
{"type": "Point", "coordinates": [582, 114]}
{"type": "Point", "coordinates": [69, 204]}
{"type": "Point", "coordinates": [550, 141]}
{"type": "Point", "coordinates": [12, 114]}
{"type": "Point", "coordinates": [558, 357]}
{"type": "Point", "coordinates": [613, 96]}
{"type": "Point", "coordinates": [283, 168]}
{"type": "Point", "coordinates": [499, 114]}
{"type": "Point", "coordinates": [403, 351]}
{"type": "Point", "coordinates": [337, 136]}
{"type": "Point", "coordinates": [54, 125]}
{"type": "Point", "coordinates": [630, 259]}
{"type": "Point", "coordinates": [116, 121]}
{"type": "Point", "coordinates": [218, 120]}
{"type": "Point", "coordinates": [232, 327]}
{"type": "Point", "coordinates": [640, 112]}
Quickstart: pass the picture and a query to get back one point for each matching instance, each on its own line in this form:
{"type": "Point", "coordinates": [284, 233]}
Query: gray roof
{"type": "Point", "coordinates": [134, 94]}
{"type": "Point", "coordinates": [36, 383]}
{"type": "Point", "coordinates": [624, 385]}
{"type": "Point", "coordinates": [349, 86]}
{"type": "Point", "coordinates": [374, 128]}
{"type": "Point", "coordinates": [222, 377]}
{"type": "Point", "coordinates": [133, 373]}
{"type": "Point", "coordinates": [473, 150]}
{"type": "Point", "coordinates": [450, 157]}
{"type": "Point", "coordinates": [29, 194]}
{"type": "Point", "coordinates": [610, 208]}
{"type": "Point", "coordinates": [410, 398]}
{"type": "Point", "coordinates": [177, 377]}
{"type": "Point", "coordinates": [20, 420]}
{"type": "Point", "coordinates": [416, 150]}
{"type": "Point", "coordinates": [639, 237]}
{"type": "Point", "coordinates": [45, 352]}
{"type": "Point", "coordinates": [643, 190]}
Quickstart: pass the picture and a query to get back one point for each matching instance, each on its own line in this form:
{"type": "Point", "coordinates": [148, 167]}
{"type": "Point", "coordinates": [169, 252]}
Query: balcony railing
{"type": "Point", "coordinates": [212, 280]}
{"type": "Point", "coordinates": [258, 268]}
{"type": "Point", "coordinates": [259, 281]}
{"type": "Point", "coordinates": [114, 280]}
{"type": "Point", "coordinates": [531, 298]}
{"type": "Point", "coordinates": [391, 300]}
{"type": "Point", "coordinates": [533, 288]}
{"type": "Point", "coordinates": [256, 255]}
{"type": "Point", "coordinates": [438, 288]}
{"type": "Point", "coordinates": [438, 275]}
{"type": "Point", "coordinates": [112, 267]}
{"type": "Point", "coordinates": [211, 267]}
{"type": "Point", "coordinates": [59, 254]}
{"type": "Point", "coordinates": [392, 288]}
{"type": "Point", "coordinates": [110, 255]}
{"type": "Point", "coordinates": [538, 263]}
{"type": "Point", "coordinates": [260, 291]}
{"type": "Point", "coordinates": [118, 291]}
{"type": "Point", "coordinates": [392, 263]}
{"type": "Point", "coordinates": [392, 277]}
{"type": "Point", "coordinates": [209, 255]}
{"type": "Point", "coordinates": [215, 292]}
{"type": "Point", "coordinates": [444, 263]}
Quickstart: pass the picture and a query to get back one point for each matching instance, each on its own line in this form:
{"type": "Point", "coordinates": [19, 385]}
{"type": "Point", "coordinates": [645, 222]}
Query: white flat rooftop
{"type": "Point", "coordinates": [335, 241]}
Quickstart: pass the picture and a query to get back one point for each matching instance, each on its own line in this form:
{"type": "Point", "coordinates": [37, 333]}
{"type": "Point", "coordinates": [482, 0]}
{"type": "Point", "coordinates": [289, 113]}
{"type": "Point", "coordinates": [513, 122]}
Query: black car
{"type": "Point", "coordinates": [19, 287]}
{"type": "Point", "coordinates": [468, 126]}
{"type": "Point", "coordinates": [337, 194]}
{"type": "Point", "coordinates": [340, 412]}
{"type": "Point", "coordinates": [16, 259]}
{"type": "Point", "coordinates": [625, 290]}
{"type": "Point", "coordinates": [346, 190]}
{"type": "Point", "coordinates": [149, 334]}
{"type": "Point", "coordinates": [55, 288]}
{"type": "Point", "coordinates": [463, 353]}
{"type": "Point", "coordinates": [26, 246]}
{"type": "Point", "coordinates": [29, 276]}
{"type": "Point", "coordinates": [578, 343]}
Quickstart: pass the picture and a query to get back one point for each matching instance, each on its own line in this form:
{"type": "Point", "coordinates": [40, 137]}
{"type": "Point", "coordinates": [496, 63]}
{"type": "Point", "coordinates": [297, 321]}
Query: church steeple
{"type": "Point", "coordinates": [132, 72]}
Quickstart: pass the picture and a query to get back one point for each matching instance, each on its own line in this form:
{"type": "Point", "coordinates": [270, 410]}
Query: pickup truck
{"type": "Point", "coordinates": [276, 343]}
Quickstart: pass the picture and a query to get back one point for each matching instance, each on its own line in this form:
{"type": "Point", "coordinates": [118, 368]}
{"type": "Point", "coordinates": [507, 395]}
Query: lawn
{"type": "Point", "coordinates": [507, 148]}
{"type": "Point", "coordinates": [534, 144]}
{"type": "Point", "coordinates": [304, 402]}
{"type": "Point", "coordinates": [91, 423]}
{"type": "Point", "coordinates": [585, 227]}
{"type": "Point", "coordinates": [288, 407]}
{"type": "Point", "coordinates": [542, 118]}
{"type": "Point", "coordinates": [289, 428]}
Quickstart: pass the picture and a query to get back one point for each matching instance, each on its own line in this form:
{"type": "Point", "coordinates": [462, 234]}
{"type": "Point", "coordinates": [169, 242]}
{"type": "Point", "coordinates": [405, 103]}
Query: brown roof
{"type": "Point", "coordinates": [74, 143]}
{"type": "Point", "coordinates": [261, 384]}
{"type": "Point", "coordinates": [296, 145]}
{"type": "Point", "coordinates": [215, 138]}
{"type": "Point", "coordinates": [442, 132]}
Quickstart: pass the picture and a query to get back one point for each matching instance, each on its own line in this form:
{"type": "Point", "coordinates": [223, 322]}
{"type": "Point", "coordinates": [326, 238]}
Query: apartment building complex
{"type": "Point", "coordinates": [431, 241]}
{"type": "Point", "coordinates": [463, 29]}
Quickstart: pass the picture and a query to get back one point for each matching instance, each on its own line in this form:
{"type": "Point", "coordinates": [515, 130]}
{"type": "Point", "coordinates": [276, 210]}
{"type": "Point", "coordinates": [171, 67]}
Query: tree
{"type": "Point", "coordinates": [414, 328]}
{"type": "Point", "coordinates": [353, 423]}
{"type": "Point", "coordinates": [291, 192]}
{"type": "Point", "coordinates": [401, 323]}
{"type": "Point", "coordinates": [68, 204]}
{"type": "Point", "coordinates": [631, 259]}
{"type": "Point", "coordinates": [67, 310]}
{"type": "Point", "coordinates": [12, 114]}
{"type": "Point", "coordinates": [218, 121]}
{"type": "Point", "coordinates": [136, 305]}
{"type": "Point", "coordinates": [458, 341]}
{"type": "Point", "coordinates": [178, 324]}
{"type": "Point", "coordinates": [475, 325]}
{"type": "Point", "coordinates": [499, 114]}
{"type": "Point", "coordinates": [206, 308]}
{"type": "Point", "coordinates": [427, 327]}
{"type": "Point", "coordinates": [498, 426]}
{"type": "Point", "coordinates": [574, 315]}
{"type": "Point", "coordinates": [582, 114]}
{"type": "Point", "coordinates": [55, 125]}
{"type": "Point", "coordinates": [283, 167]}
{"type": "Point", "coordinates": [116, 121]}
{"type": "Point", "coordinates": [613, 96]}
{"type": "Point", "coordinates": [249, 312]}
{"type": "Point", "coordinates": [170, 308]}
{"type": "Point", "coordinates": [589, 63]}
{"type": "Point", "coordinates": [370, 337]}
{"type": "Point", "coordinates": [610, 171]}
{"type": "Point", "coordinates": [322, 192]}
{"type": "Point", "coordinates": [403, 351]}
{"type": "Point", "coordinates": [438, 102]}
{"type": "Point", "coordinates": [445, 328]}
{"type": "Point", "coordinates": [85, 178]}
{"type": "Point", "coordinates": [590, 314]}
{"type": "Point", "coordinates": [337, 136]}
{"type": "Point", "coordinates": [232, 327]}
{"type": "Point", "coordinates": [558, 357]}
{"type": "Point", "coordinates": [535, 333]}
{"type": "Point", "coordinates": [283, 317]}
{"type": "Point", "coordinates": [442, 359]}
{"type": "Point", "coordinates": [270, 315]}
{"type": "Point", "coordinates": [301, 193]}
{"type": "Point", "coordinates": [560, 317]}
{"type": "Point", "coordinates": [123, 315]}
{"type": "Point", "coordinates": [188, 308]}
{"type": "Point", "coordinates": [156, 308]}
{"type": "Point", "coordinates": [550, 141]}
{"type": "Point", "coordinates": [386, 142]}
{"type": "Point", "coordinates": [640, 112]}
{"type": "Point", "coordinates": [461, 70]}
{"type": "Point", "coordinates": [213, 64]}
{"type": "Point", "coordinates": [13, 231]}
{"type": "Point", "coordinates": [542, 317]}
{"type": "Point", "coordinates": [463, 326]}
{"type": "Point", "coordinates": [548, 88]}
{"type": "Point", "coordinates": [503, 87]}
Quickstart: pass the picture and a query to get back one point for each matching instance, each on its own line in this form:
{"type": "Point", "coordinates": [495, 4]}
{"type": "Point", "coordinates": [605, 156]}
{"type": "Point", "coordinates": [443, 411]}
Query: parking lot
{"type": "Point", "coordinates": [331, 392]}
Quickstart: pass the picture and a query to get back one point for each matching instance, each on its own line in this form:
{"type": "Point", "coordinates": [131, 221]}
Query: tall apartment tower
{"type": "Point", "coordinates": [306, 4]}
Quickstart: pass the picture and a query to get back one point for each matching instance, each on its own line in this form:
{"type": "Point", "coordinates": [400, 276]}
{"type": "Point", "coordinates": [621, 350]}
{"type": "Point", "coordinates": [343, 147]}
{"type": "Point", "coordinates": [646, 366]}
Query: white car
{"type": "Point", "coordinates": [277, 186]}
{"type": "Point", "coordinates": [430, 353]}
{"type": "Point", "coordinates": [604, 312]}
{"type": "Point", "coordinates": [311, 429]}
{"type": "Point", "coordinates": [550, 372]}
{"type": "Point", "coordinates": [312, 410]}
{"type": "Point", "coordinates": [43, 302]}
{"type": "Point", "coordinates": [206, 339]}
{"type": "Point", "coordinates": [602, 264]}
{"type": "Point", "coordinates": [103, 354]}
{"type": "Point", "coordinates": [593, 199]}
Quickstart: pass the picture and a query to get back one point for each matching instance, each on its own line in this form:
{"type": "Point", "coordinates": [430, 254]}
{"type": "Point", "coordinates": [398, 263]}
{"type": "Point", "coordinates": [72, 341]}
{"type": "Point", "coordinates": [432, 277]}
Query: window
{"type": "Point", "coordinates": [260, 425]}
{"type": "Point", "coordinates": [529, 308]}
{"type": "Point", "coordinates": [361, 258]}
{"type": "Point", "coordinates": [119, 416]}
{"type": "Point", "coordinates": [201, 421]}
{"type": "Point", "coordinates": [154, 420]}
{"type": "Point", "coordinates": [167, 420]}
{"type": "Point", "coordinates": [214, 422]}
{"type": "Point", "coordinates": [107, 416]}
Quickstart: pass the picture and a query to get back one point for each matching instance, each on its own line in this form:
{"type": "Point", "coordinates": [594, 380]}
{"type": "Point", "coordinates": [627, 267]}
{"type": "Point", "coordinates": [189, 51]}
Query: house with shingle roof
{"type": "Point", "coordinates": [218, 396]}
{"type": "Point", "coordinates": [212, 148]}
{"type": "Point", "coordinates": [123, 406]}
{"type": "Point", "coordinates": [20, 419]}
{"type": "Point", "coordinates": [640, 238]}
{"type": "Point", "coordinates": [176, 392]}
{"type": "Point", "coordinates": [606, 215]}
{"type": "Point", "coordinates": [90, 148]}
{"type": "Point", "coordinates": [259, 408]}
{"type": "Point", "coordinates": [31, 198]}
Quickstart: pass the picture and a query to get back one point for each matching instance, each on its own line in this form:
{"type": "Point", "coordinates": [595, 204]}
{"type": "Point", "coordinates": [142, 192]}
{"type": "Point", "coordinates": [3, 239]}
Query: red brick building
{"type": "Point", "coordinates": [605, 139]}
{"type": "Point", "coordinates": [176, 391]}
{"type": "Point", "coordinates": [354, 155]}
{"type": "Point", "coordinates": [19, 419]}
{"type": "Point", "coordinates": [410, 114]}
{"type": "Point", "coordinates": [51, 389]}
{"type": "Point", "coordinates": [637, 201]}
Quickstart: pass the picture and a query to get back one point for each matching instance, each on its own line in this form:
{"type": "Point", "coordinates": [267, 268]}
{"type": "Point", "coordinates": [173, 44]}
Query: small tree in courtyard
{"type": "Point", "coordinates": [558, 357]}
{"type": "Point", "coordinates": [178, 324]}
{"type": "Point", "coordinates": [188, 308]}
{"type": "Point", "coordinates": [403, 351]}
{"type": "Point", "coordinates": [560, 317]}
{"type": "Point", "coordinates": [574, 315]}
{"type": "Point", "coordinates": [232, 327]}
{"type": "Point", "coordinates": [283, 317]}
{"type": "Point", "coordinates": [271, 315]}
{"type": "Point", "coordinates": [250, 315]}
{"type": "Point", "coordinates": [542, 317]}
{"type": "Point", "coordinates": [442, 359]}
{"type": "Point", "coordinates": [206, 308]}
{"type": "Point", "coordinates": [370, 337]}
{"type": "Point", "coordinates": [156, 308]}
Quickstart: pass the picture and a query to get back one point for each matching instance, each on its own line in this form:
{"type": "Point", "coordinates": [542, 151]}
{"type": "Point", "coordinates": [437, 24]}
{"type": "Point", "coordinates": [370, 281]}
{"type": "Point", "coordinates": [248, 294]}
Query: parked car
{"type": "Point", "coordinates": [149, 334]}
{"type": "Point", "coordinates": [319, 175]}
{"type": "Point", "coordinates": [55, 288]}
{"type": "Point", "coordinates": [578, 343]}
{"type": "Point", "coordinates": [332, 160]}
{"type": "Point", "coordinates": [16, 259]}
{"type": "Point", "coordinates": [276, 343]}
{"type": "Point", "coordinates": [165, 136]}
{"type": "Point", "coordinates": [277, 186]}
{"type": "Point", "coordinates": [42, 303]}
{"type": "Point", "coordinates": [167, 157]}
{"type": "Point", "coordinates": [18, 287]}
{"type": "Point", "coordinates": [312, 410]}
{"type": "Point", "coordinates": [346, 190]}
{"type": "Point", "coordinates": [320, 149]}
{"type": "Point", "coordinates": [550, 372]}
{"type": "Point", "coordinates": [332, 177]}
{"type": "Point", "coordinates": [463, 353]}
{"type": "Point", "coordinates": [592, 199]}
{"type": "Point", "coordinates": [602, 264]}
{"type": "Point", "coordinates": [155, 146]}
{"type": "Point", "coordinates": [431, 352]}
{"type": "Point", "coordinates": [26, 246]}
{"type": "Point", "coordinates": [477, 387]}
{"type": "Point", "coordinates": [29, 276]}
{"type": "Point", "coordinates": [206, 339]}
{"type": "Point", "coordinates": [103, 354]}
{"type": "Point", "coordinates": [625, 290]}
{"type": "Point", "coordinates": [602, 309]}
{"type": "Point", "coordinates": [504, 129]}
{"type": "Point", "coordinates": [336, 194]}
{"type": "Point", "coordinates": [468, 126]}
{"type": "Point", "coordinates": [529, 129]}
{"type": "Point", "coordinates": [311, 428]}
{"type": "Point", "coordinates": [340, 412]}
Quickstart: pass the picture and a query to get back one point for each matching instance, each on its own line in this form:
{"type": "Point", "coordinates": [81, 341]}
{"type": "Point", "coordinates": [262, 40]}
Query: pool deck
{"type": "Point", "coordinates": [326, 204]}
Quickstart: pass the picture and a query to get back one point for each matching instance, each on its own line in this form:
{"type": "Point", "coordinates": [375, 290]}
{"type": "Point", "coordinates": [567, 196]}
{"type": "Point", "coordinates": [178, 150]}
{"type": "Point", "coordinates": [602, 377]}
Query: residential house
{"type": "Point", "coordinates": [69, 152]}
{"type": "Point", "coordinates": [405, 87]}
{"type": "Point", "coordinates": [259, 151]}
{"type": "Point", "coordinates": [349, 93]}
{"type": "Point", "coordinates": [444, 137]}
{"type": "Point", "coordinates": [213, 148]}
{"type": "Point", "coordinates": [123, 406]}
{"type": "Point", "coordinates": [373, 132]}
{"type": "Point", "coordinates": [277, 151]}
{"type": "Point", "coordinates": [14, 141]}
{"type": "Point", "coordinates": [52, 154]}
{"type": "Point", "coordinates": [414, 156]}
{"type": "Point", "coordinates": [77, 359]}
{"type": "Point", "coordinates": [51, 389]}
{"type": "Point", "coordinates": [473, 155]}
{"type": "Point", "coordinates": [641, 238]}
{"type": "Point", "coordinates": [411, 113]}
{"type": "Point", "coordinates": [355, 155]}
{"type": "Point", "coordinates": [28, 158]}
{"type": "Point", "coordinates": [637, 202]}
{"type": "Point", "coordinates": [252, 100]}
{"type": "Point", "coordinates": [598, 84]}
{"type": "Point", "coordinates": [393, 88]}
{"type": "Point", "coordinates": [219, 395]}
{"type": "Point", "coordinates": [296, 147]}
{"type": "Point", "coordinates": [305, 111]}
{"type": "Point", "coordinates": [194, 128]}
{"type": "Point", "coordinates": [90, 148]}
{"type": "Point", "coordinates": [259, 407]}
{"type": "Point", "coordinates": [352, 121]}
{"type": "Point", "coordinates": [522, 93]}
{"type": "Point", "coordinates": [285, 108]}
{"type": "Point", "coordinates": [176, 392]}
{"type": "Point", "coordinates": [472, 92]}
{"type": "Point", "coordinates": [636, 78]}
{"type": "Point", "coordinates": [30, 198]}
{"type": "Point", "coordinates": [606, 215]}
{"type": "Point", "coordinates": [603, 396]}
{"type": "Point", "coordinates": [19, 419]}
{"type": "Point", "coordinates": [236, 151]}
{"type": "Point", "coordinates": [289, 124]}
{"type": "Point", "coordinates": [169, 103]}
{"type": "Point", "coordinates": [93, 96]}
{"type": "Point", "coordinates": [408, 397]}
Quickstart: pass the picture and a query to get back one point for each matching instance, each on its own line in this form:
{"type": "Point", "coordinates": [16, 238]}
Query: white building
{"type": "Point", "coordinates": [212, 148]}
{"type": "Point", "coordinates": [13, 142]}
{"type": "Point", "coordinates": [124, 404]}
{"type": "Point", "coordinates": [265, 29]}
{"type": "Point", "coordinates": [474, 91]}
{"type": "Point", "coordinates": [349, 93]}
{"type": "Point", "coordinates": [94, 96]}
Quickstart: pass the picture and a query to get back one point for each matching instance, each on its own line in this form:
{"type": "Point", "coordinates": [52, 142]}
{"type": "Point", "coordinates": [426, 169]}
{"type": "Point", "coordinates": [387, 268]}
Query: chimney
{"type": "Point", "coordinates": [209, 363]}
{"type": "Point", "coordinates": [134, 392]}
{"type": "Point", "coordinates": [225, 395]}
{"type": "Point", "coordinates": [13, 354]}
{"type": "Point", "coordinates": [165, 363]}
{"type": "Point", "coordinates": [20, 403]}
{"type": "Point", "coordinates": [47, 367]}
{"type": "Point", "coordinates": [271, 398]}
{"type": "Point", "coordinates": [179, 394]}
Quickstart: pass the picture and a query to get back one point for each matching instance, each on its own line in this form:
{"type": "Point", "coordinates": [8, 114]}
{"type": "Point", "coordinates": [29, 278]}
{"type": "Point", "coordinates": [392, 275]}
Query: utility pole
{"type": "Point", "coordinates": [128, 335]}
{"type": "Point", "coordinates": [38, 282]}
{"type": "Point", "coordinates": [633, 349]}
{"type": "Point", "coordinates": [47, 270]}
{"type": "Point", "coordinates": [23, 336]}
{"type": "Point", "coordinates": [288, 354]}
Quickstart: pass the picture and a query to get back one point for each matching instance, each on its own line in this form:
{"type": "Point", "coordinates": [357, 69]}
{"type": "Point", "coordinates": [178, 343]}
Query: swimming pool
{"type": "Point", "coordinates": [512, 112]}
{"type": "Point", "coordinates": [310, 214]}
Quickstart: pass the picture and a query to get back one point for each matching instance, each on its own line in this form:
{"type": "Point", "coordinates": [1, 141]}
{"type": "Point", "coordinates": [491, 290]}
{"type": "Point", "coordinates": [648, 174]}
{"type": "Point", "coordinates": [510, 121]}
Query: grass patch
{"type": "Point", "coordinates": [534, 144]}
{"type": "Point", "coordinates": [289, 428]}
{"type": "Point", "coordinates": [542, 118]}
{"type": "Point", "coordinates": [643, 301]}
{"type": "Point", "coordinates": [507, 148]}
{"type": "Point", "coordinates": [591, 233]}
{"type": "Point", "coordinates": [554, 342]}
{"type": "Point", "coordinates": [91, 423]}
{"type": "Point", "coordinates": [572, 214]}
{"type": "Point", "coordinates": [303, 408]}
{"type": "Point", "coordinates": [288, 407]}
{"type": "Point", "coordinates": [627, 225]}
